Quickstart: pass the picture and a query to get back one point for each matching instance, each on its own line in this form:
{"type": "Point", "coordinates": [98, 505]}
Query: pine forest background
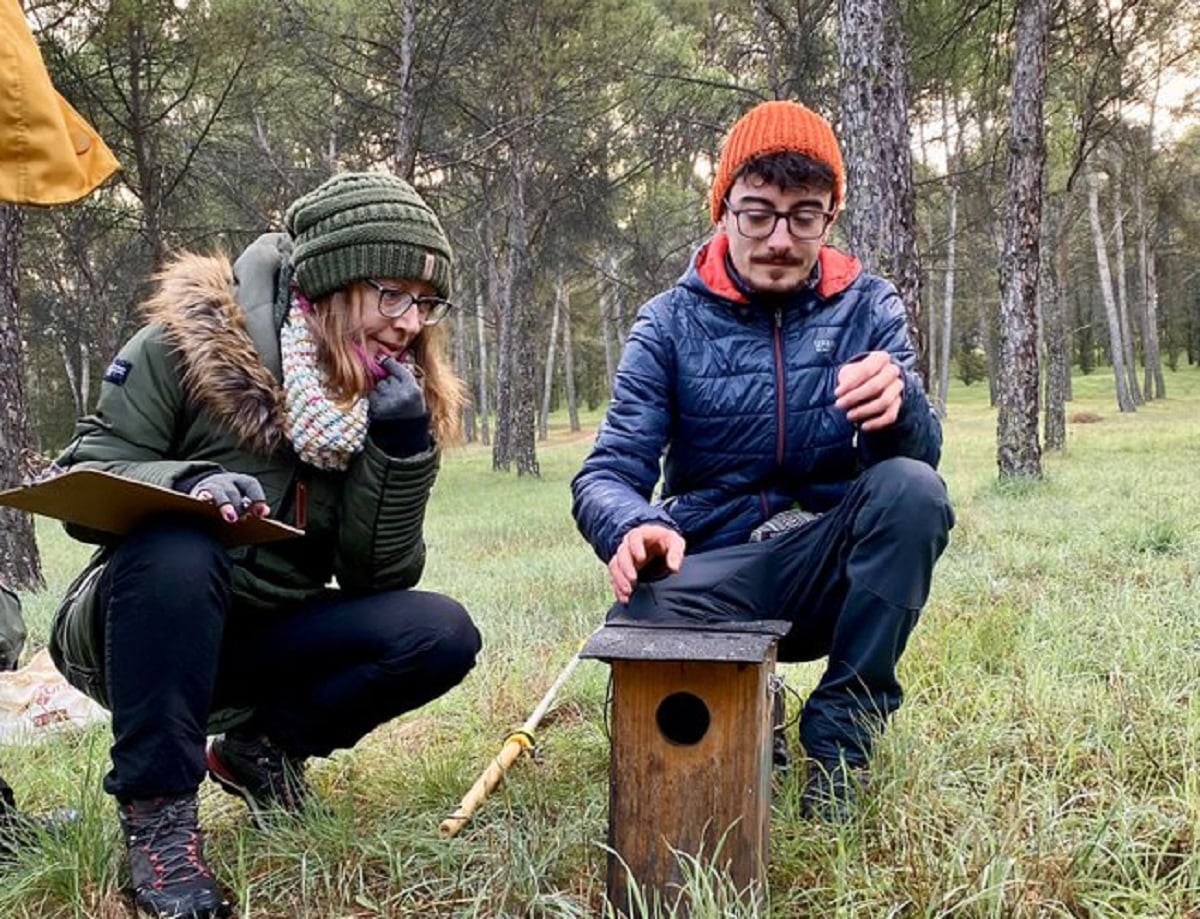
{"type": "Point", "coordinates": [567, 146]}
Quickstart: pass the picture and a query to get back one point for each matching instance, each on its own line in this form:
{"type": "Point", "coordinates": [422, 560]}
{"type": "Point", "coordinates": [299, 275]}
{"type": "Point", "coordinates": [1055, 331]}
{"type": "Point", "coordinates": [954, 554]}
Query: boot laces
{"type": "Point", "coordinates": [169, 837]}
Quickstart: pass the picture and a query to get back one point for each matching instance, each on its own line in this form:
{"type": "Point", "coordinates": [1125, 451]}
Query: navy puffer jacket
{"type": "Point", "coordinates": [730, 402]}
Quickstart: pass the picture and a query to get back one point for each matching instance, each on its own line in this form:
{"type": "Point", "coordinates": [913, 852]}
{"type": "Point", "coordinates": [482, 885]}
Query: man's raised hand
{"type": "Point", "coordinates": [870, 391]}
{"type": "Point", "coordinates": [639, 547]}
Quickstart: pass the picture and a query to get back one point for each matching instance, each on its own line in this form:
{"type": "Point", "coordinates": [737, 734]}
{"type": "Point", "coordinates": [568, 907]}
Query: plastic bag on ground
{"type": "Point", "coordinates": [36, 702]}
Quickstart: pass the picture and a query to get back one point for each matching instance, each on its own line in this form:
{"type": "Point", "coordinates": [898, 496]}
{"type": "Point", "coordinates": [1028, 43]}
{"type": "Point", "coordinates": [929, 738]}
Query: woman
{"type": "Point", "coordinates": [306, 382]}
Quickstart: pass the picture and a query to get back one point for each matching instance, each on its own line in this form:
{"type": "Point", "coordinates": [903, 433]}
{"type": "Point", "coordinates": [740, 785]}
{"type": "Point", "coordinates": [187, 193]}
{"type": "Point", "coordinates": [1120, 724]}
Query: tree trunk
{"type": "Point", "coordinates": [406, 120]}
{"type": "Point", "coordinates": [1155, 384]}
{"type": "Point", "coordinates": [1017, 449]}
{"type": "Point", "coordinates": [463, 369]}
{"type": "Point", "coordinates": [1125, 401]}
{"type": "Point", "coordinates": [1130, 352]}
{"type": "Point", "coordinates": [932, 341]}
{"type": "Point", "coordinates": [548, 377]}
{"type": "Point", "coordinates": [1057, 368]}
{"type": "Point", "coordinates": [931, 243]}
{"type": "Point", "coordinates": [502, 449]}
{"type": "Point", "coordinates": [762, 25]}
{"type": "Point", "coordinates": [85, 378]}
{"type": "Point", "coordinates": [988, 341]}
{"type": "Point", "coordinates": [605, 298]}
{"type": "Point", "coordinates": [149, 174]}
{"type": "Point", "coordinates": [82, 305]}
{"type": "Point", "coordinates": [20, 564]}
{"type": "Point", "coordinates": [490, 304]}
{"type": "Point", "coordinates": [69, 371]}
{"type": "Point", "coordinates": [877, 146]}
{"type": "Point", "coordinates": [943, 387]}
{"type": "Point", "coordinates": [516, 386]}
{"type": "Point", "coordinates": [620, 324]}
{"type": "Point", "coordinates": [989, 320]}
{"type": "Point", "coordinates": [485, 434]}
{"type": "Point", "coordinates": [569, 367]}
{"type": "Point", "coordinates": [332, 150]}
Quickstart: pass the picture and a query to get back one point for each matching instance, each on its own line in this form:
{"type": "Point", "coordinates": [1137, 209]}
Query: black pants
{"type": "Point", "coordinates": [319, 676]}
{"type": "Point", "coordinates": [852, 582]}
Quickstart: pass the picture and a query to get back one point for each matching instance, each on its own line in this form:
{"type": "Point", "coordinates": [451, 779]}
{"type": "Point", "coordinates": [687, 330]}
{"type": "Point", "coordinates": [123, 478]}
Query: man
{"type": "Point", "coordinates": [775, 386]}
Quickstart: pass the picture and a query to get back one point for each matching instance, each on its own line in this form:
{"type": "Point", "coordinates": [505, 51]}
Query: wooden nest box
{"type": "Point", "coordinates": [690, 759]}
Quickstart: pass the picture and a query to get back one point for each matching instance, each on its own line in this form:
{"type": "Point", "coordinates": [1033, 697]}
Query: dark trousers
{"type": "Point", "coordinates": [863, 574]}
{"type": "Point", "coordinates": [852, 582]}
{"type": "Point", "coordinates": [318, 676]}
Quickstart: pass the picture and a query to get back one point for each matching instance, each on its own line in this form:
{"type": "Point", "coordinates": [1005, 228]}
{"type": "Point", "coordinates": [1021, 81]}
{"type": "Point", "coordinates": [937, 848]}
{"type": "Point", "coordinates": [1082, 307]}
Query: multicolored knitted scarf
{"type": "Point", "coordinates": [321, 433]}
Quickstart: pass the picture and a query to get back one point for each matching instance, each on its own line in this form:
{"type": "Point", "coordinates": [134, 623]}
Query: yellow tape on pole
{"type": "Point", "coordinates": [516, 742]}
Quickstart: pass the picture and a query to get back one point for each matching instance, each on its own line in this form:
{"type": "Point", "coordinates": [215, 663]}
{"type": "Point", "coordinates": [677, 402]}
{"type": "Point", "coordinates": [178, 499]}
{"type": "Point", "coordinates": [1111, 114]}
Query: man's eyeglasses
{"type": "Point", "coordinates": [758, 222]}
{"type": "Point", "coordinates": [394, 303]}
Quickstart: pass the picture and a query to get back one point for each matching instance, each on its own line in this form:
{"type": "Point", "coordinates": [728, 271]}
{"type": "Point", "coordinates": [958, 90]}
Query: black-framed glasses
{"type": "Point", "coordinates": [805, 223]}
{"type": "Point", "coordinates": [394, 303]}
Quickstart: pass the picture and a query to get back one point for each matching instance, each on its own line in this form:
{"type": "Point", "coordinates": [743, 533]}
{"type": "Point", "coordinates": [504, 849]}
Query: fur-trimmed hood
{"type": "Point", "coordinates": [223, 373]}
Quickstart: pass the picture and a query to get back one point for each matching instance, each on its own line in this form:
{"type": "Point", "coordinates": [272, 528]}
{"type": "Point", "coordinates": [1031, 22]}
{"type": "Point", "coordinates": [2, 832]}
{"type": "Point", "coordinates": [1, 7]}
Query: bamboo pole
{"type": "Point", "coordinates": [516, 742]}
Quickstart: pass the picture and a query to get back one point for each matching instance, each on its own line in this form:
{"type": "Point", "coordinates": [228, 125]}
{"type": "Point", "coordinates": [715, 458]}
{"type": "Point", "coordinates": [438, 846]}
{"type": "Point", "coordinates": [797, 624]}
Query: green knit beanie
{"type": "Point", "coordinates": [361, 225]}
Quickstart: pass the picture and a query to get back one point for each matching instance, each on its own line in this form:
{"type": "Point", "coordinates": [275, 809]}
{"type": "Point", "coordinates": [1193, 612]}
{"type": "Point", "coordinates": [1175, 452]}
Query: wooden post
{"type": "Point", "coordinates": [690, 759]}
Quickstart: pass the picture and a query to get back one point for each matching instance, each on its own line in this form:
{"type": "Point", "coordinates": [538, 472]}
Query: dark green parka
{"type": "Point", "coordinates": [198, 389]}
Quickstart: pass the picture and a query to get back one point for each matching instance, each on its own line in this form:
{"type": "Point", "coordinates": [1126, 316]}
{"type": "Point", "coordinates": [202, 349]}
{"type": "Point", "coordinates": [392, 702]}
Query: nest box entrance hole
{"type": "Point", "coordinates": [683, 718]}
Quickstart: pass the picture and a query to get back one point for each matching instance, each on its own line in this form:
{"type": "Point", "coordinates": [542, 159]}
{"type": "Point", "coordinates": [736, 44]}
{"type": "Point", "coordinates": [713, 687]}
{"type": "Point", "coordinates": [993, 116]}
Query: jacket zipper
{"type": "Point", "coordinates": [780, 393]}
{"type": "Point", "coordinates": [780, 407]}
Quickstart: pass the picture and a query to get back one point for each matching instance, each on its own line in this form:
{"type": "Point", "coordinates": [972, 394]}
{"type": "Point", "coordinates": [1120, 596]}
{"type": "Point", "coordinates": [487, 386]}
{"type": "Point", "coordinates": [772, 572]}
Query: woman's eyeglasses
{"type": "Point", "coordinates": [394, 303]}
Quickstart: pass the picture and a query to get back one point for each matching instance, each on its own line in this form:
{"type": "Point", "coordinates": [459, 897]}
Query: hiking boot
{"type": "Point", "coordinates": [258, 772]}
{"type": "Point", "coordinates": [166, 859]}
{"type": "Point", "coordinates": [832, 791]}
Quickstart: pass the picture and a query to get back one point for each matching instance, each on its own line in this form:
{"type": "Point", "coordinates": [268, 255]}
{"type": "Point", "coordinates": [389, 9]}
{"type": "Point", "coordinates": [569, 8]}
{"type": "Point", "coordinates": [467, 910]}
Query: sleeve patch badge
{"type": "Point", "coordinates": [118, 371]}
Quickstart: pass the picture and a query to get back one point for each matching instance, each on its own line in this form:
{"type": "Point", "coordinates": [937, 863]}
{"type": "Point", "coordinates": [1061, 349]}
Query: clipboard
{"type": "Point", "coordinates": [116, 504]}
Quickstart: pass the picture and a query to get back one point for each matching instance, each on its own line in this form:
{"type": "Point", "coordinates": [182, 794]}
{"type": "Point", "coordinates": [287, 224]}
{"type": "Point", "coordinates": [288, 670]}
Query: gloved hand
{"type": "Point", "coordinates": [399, 420]}
{"type": "Point", "coordinates": [398, 395]}
{"type": "Point", "coordinates": [233, 493]}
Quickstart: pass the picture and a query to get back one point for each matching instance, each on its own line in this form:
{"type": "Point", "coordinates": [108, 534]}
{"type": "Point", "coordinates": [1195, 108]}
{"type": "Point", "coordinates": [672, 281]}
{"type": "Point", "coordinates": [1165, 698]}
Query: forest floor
{"type": "Point", "coordinates": [1045, 762]}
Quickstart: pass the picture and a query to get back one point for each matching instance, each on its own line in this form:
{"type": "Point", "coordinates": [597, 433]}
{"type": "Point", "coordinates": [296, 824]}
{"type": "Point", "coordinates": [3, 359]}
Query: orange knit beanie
{"type": "Point", "coordinates": [776, 127]}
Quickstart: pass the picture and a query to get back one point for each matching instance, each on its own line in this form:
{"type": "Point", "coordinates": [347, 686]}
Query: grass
{"type": "Point", "coordinates": [1044, 763]}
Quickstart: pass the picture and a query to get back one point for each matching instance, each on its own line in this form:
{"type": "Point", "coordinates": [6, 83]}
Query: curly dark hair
{"type": "Point", "coordinates": [789, 170]}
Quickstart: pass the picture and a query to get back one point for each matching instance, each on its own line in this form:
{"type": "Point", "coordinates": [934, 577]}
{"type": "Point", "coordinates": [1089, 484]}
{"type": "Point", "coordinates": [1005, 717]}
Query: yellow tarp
{"type": "Point", "coordinates": [48, 153]}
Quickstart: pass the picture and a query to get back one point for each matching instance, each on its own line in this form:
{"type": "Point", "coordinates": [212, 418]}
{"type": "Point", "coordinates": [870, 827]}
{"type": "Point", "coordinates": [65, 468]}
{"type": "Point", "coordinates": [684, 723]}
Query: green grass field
{"type": "Point", "coordinates": [1045, 762]}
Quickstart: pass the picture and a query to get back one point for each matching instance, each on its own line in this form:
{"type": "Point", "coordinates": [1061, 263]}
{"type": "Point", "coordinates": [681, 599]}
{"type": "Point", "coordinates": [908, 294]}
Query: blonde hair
{"type": "Point", "coordinates": [337, 333]}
